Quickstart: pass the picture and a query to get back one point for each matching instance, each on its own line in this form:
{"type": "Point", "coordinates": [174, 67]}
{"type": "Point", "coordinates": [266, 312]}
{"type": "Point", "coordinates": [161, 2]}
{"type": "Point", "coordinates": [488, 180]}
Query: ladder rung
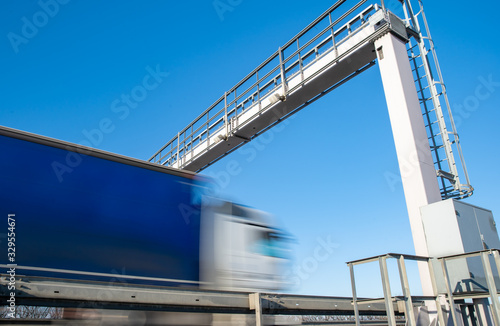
{"type": "Point", "coordinates": [413, 47]}
{"type": "Point", "coordinates": [422, 92]}
{"type": "Point", "coordinates": [428, 111]}
{"type": "Point", "coordinates": [443, 160]}
{"type": "Point", "coordinates": [422, 89]}
{"type": "Point", "coordinates": [435, 135]}
{"type": "Point", "coordinates": [421, 77]}
{"type": "Point", "coordinates": [418, 67]}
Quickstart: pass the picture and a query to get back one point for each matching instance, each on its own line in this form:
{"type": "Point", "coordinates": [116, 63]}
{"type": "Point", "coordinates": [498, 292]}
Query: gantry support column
{"type": "Point", "coordinates": [412, 146]}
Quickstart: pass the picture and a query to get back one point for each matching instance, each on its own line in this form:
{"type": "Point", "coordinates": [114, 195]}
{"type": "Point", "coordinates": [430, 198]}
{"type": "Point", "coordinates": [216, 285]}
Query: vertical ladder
{"type": "Point", "coordinates": [441, 130]}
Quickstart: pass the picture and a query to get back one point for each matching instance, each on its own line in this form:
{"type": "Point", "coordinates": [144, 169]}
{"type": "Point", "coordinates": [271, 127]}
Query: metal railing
{"type": "Point", "coordinates": [269, 78]}
{"type": "Point", "coordinates": [491, 290]}
{"type": "Point", "coordinates": [407, 300]}
{"type": "Point", "coordinates": [271, 81]}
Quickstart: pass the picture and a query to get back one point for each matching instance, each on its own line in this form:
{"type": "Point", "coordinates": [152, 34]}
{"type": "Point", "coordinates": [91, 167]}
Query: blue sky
{"type": "Point", "coordinates": [322, 175]}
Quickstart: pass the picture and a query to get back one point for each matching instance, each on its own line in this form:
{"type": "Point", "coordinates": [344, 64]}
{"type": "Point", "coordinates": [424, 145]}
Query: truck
{"type": "Point", "coordinates": [81, 213]}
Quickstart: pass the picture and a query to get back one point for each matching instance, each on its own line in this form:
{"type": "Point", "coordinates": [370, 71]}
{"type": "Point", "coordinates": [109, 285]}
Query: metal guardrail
{"type": "Point", "coordinates": [119, 295]}
{"type": "Point", "coordinates": [32, 290]}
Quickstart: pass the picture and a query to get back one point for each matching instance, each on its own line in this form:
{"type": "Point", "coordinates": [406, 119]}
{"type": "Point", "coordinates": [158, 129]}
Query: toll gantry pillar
{"type": "Point", "coordinates": [416, 165]}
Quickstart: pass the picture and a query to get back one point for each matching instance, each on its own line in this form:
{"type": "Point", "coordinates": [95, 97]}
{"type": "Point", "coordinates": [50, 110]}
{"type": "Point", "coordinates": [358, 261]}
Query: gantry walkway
{"type": "Point", "coordinates": [334, 48]}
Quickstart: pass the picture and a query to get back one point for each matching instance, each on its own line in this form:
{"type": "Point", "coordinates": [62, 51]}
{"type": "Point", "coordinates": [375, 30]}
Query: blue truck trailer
{"type": "Point", "coordinates": [85, 213]}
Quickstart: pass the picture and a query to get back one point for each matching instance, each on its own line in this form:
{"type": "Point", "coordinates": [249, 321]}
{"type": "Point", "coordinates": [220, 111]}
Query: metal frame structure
{"type": "Point", "coordinates": [407, 299]}
{"type": "Point", "coordinates": [492, 290]}
{"type": "Point", "coordinates": [224, 126]}
{"type": "Point", "coordinates": [327, 53]}
{"type": "Point", "coordinates": [271, 82]}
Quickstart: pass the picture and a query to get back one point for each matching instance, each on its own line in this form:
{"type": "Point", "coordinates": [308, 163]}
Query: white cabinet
{"type": "Point", "coordinates": [453, 227]}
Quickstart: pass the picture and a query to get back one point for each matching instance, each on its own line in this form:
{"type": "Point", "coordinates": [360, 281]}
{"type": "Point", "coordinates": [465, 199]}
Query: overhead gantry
{"type": "Point", "coordinates": [340, 44]}
{"type": "Point", "coordinates": [337, 46]}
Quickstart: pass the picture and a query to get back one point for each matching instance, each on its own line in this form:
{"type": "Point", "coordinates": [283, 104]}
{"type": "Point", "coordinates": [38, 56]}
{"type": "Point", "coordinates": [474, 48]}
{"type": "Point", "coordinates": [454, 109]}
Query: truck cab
{"type": "Point", "coordinates": [241, 249]}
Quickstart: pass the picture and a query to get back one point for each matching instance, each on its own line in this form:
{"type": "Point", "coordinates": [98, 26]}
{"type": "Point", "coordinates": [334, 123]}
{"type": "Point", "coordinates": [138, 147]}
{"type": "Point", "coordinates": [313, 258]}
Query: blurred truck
{"type": "Point", "coordinates": [82, 213]}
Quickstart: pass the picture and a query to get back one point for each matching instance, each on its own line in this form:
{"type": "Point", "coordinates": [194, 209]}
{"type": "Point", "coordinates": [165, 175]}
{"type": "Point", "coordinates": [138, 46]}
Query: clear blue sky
{"type": "Point", "coordinates": [322, 176]}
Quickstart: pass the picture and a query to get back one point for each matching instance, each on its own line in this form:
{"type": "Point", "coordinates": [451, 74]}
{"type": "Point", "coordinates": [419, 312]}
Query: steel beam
{"type": "Point", "coordinates": [405, 286]}
{"type": "Point", "coordinates": [354, 294]}
{"type": "Point", "coordinates": [490, 280]}
{"type": "Point", "coordinates": [387, 291]}
{"type": "Point", "coordinates": [256, 305]}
